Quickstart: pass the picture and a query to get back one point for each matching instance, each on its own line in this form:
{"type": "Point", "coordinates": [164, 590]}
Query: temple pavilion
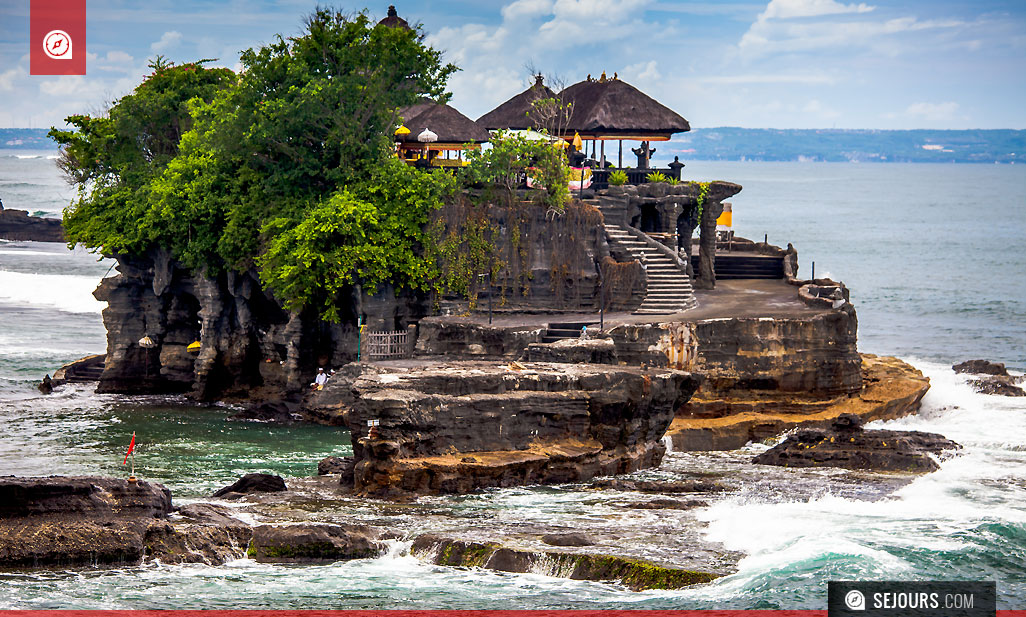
{"type": "Point", "coordinates": [431, 133]}
{"type": "Point", "coordinates": [598, 110]}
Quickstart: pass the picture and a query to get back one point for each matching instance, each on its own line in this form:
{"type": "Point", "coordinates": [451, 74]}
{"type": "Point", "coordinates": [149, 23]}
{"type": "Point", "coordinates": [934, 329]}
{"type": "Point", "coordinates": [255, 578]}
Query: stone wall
{"type": "Point", "coordinates": [550, 260]}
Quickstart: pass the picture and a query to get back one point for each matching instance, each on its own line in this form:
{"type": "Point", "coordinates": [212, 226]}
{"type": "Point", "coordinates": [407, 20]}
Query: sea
{"type": "Point", "coordinates": [934, 255]}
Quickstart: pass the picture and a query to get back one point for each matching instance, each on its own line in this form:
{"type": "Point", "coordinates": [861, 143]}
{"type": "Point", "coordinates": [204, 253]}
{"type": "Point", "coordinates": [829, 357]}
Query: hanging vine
{"type": "Point", "coordinates": [618, 282]}
{"type": "Point", "coordinates": [569, 258]}
{"type": "Point", "coordinates": [463, 247]}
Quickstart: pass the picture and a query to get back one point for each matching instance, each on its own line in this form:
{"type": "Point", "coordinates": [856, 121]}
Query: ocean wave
{"type": "Point", "coordinates": [72, 294]}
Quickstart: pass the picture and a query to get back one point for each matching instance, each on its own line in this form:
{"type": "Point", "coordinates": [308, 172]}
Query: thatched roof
{"type": "Point", "coordinates": [450, 125]}
{"type": "Point", "coordinates": [518, 112]}
{"type": "Point", "coordinates": [611, 107]}
{"type": "Point", "coordinates": [393, 20]}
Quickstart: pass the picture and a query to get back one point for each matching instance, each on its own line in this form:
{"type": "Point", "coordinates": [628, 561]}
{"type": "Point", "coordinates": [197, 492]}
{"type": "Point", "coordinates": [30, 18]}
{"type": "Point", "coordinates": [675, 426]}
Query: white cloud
{"type": "Point", "coordinates": [773, 36]}
{"type": "Point", "coordinates": [933, 112]}
{"type": "Point", "coordinates": [115, 60]}
{"type": "Point", "coordinates": [643, 71]}
{"type": "Point", "coordinates": [526, 9]}
{"type": "Point", "coordinates": [10, 77]}
{"type": "Point", "coordinates": [770, 78]}
{"type": "Point", "coordinates": [552, 35]}
{"type": "Point", "coordinates": [65, 86]}
{"type": "Point", "coordinates": [119, 57]}
{"type": "Point", "coordinates": [789, 9]}
{"type": "Point", "coordinates": [169, 40]}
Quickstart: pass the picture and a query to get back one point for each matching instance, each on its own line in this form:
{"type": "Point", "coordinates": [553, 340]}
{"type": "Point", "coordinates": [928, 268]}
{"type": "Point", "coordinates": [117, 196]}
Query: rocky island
{"type": "Point", "coordinates": [486, 327]}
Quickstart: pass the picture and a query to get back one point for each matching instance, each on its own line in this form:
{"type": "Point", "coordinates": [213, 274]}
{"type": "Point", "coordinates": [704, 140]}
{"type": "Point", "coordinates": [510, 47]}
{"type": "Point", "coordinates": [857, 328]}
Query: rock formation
{"type": "Point", "coordinates": [846, 444]}
{"type": "Point", "coordinates": [716, 420]}
{"type": "Point", "coordinates": [18, 226]}
{"type": "Point", "coordinates": [73, 521]}
{"type": "Point", "coordinates": [981, 367]}
{"type": "Point", "coordinates": [455, 427]}
{"type": "Point", "coordinates": [308, 543]}
{"type": "Point", "coordinates": [253, 483]}
{"type": "Point", "coordinates": [635, 574]}
{"type": "Point", "coordinates": [67, 522]}
{"type": "Point", "coordinates": [996, 380]}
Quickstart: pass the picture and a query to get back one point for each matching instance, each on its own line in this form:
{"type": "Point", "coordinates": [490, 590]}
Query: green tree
{"type": "Point", "coordinates": [290, 159]}
{"type": "Point", "coordinates": [112, 159]}
{"type": "Point", "coordinates": [511, 157]}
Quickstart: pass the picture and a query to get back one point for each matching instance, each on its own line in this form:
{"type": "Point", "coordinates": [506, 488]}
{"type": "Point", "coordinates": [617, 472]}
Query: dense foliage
{"type": "Point", "coordinates": [286, 167]}
{"type": "Point", "coordinates": [112, 159]}
{"type": "Point", "coordinates": [511, 157]}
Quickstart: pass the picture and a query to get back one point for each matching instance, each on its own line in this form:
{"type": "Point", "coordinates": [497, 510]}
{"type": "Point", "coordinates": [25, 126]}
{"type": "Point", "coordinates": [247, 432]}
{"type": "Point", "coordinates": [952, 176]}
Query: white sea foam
{"type": "Point", "coordinates": [935, 512]}
{"type": "Point", "coordinates": [73, 294]}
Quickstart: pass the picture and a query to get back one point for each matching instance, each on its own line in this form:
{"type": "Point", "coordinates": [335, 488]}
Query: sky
{"type": "Point", "coordinates": [900, 64]}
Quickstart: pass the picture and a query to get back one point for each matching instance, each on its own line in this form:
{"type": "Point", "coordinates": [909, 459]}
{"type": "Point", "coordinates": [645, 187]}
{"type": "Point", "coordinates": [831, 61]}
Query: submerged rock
{"type": "Point", "coordinates": [666, 487]}
{"type": "Point", "coordinates": [666, 504]}
{"type": "Point", "coordinates": [846, 444]}
{"type": "Point", "coordinates": [254, 483]}
{"type": "Point", "coordinates": [311, 543]}
{"type": "Point", "coordinates": [1003, 386]}
{"type": "Point", "coordinates": [205, 533]}
{"type": "Point", "coordinates": [273, 412]}
{"type": "Point", "coordinates": [567, 539]}
{"type": "Point", "coordinates": [632, 573]}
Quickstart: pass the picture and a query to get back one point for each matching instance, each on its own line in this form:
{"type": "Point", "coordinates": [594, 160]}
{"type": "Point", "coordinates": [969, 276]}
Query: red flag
{"type": "Point", "coordinates": [131, 447]}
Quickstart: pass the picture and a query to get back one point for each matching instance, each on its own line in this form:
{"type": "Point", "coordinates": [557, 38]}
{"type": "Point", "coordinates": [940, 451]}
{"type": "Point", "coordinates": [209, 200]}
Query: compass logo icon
{"type": "Point", "coordinates": [57, 45]}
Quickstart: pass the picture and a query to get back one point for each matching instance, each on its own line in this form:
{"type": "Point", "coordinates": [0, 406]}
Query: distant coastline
{"type": "Point", "coordinates": [799, 145]}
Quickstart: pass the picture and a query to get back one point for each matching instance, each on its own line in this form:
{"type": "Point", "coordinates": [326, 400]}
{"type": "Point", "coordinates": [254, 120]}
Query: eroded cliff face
{"type": "Point", "coordinates": [250, 347]}
{"type": "Point", "coordinates": [253, 349]}
{"type": "Point", "coordinates": [815, 355]}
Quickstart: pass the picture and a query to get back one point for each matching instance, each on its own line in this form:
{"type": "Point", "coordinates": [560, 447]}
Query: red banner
{"type": "Point", "coordinates": [57, 37]}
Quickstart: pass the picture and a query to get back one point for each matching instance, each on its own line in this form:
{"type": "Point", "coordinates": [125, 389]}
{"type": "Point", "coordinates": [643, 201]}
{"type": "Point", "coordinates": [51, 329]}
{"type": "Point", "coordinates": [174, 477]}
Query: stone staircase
{"type": "Point", "coordinates": [669, 287]}
{"type": "Point", "coordinates": [565, 330]}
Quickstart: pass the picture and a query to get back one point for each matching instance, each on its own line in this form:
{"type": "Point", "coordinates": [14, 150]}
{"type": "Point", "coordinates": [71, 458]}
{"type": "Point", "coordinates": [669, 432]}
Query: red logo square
{"type": "Point", "coordinates": [57, 37]}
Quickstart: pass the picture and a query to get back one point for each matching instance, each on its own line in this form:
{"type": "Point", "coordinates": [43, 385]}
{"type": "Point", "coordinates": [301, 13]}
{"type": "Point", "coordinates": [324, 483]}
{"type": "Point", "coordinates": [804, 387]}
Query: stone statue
{"type": "Point", "coordinates": [644, 154]}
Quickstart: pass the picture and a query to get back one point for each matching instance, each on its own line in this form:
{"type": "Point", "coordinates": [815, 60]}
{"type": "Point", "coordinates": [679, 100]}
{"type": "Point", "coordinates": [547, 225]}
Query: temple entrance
{"type": "Point", "coordinates": [649, 219]}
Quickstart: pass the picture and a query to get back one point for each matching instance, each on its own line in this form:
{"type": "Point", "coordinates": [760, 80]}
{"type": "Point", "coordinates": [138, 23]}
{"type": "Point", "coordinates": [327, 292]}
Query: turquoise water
{"type": "Point", "coordinates": [934, 255]}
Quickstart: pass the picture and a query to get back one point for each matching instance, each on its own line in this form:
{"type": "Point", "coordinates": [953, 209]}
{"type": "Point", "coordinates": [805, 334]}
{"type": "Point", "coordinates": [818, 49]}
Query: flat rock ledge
{"type": "Point", "coordinates": [846, 444]}
{"type": "Point", "coordinates": [88, 521]}
{"type": "Point", "coordinates": [460, 426]}
{"type": "Point", "coordinates": [634, 574]}
{"type": "Point", "coordinates": [890, 389]}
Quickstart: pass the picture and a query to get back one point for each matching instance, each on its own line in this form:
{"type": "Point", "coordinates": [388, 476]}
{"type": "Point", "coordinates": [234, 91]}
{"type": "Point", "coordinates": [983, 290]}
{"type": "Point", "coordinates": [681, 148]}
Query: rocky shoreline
{"type": "Point", "coordinates": [61, 522]}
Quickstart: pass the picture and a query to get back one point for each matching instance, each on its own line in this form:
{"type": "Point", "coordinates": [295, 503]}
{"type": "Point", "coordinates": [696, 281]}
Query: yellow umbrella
{"type": "Point", "coordinates": [578, 142]}
{"type": "Point", "coordinates": [402, 130]}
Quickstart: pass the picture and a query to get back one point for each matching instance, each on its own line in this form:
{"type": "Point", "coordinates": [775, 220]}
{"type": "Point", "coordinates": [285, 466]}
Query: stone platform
{"type": "Point", "coordinates": [725, 421]}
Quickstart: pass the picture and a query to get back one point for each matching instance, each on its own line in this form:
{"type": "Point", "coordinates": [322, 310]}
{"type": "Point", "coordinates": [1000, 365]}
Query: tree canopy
{"type": "Point", "coordinates": [286, 167]}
